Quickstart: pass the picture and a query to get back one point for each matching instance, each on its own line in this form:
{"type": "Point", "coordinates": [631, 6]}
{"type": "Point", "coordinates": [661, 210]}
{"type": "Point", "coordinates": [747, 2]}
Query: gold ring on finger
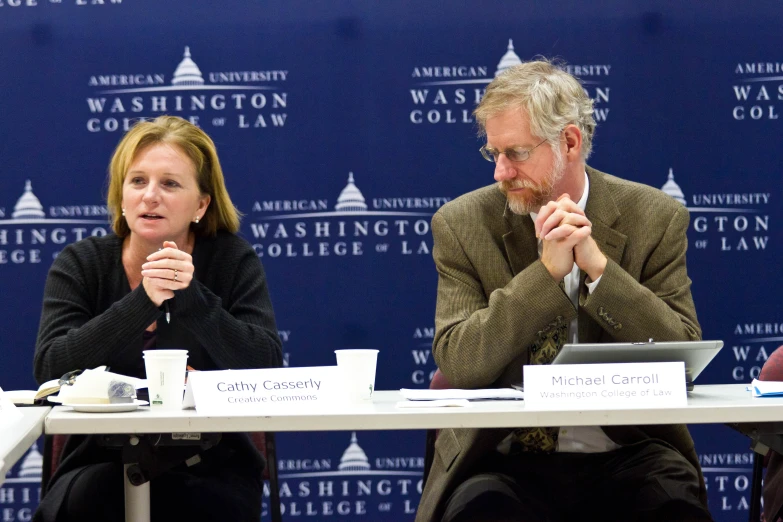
{"type": "Point", "coordinates": [176, 273]}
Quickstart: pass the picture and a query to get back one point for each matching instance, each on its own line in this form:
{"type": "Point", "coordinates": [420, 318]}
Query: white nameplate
{"type": "Point", "coordinates": [627, 385]}
{"type": "Point", "coordinates": [260, 392]}
{"type": "Point", "coordinates": [9, 413]}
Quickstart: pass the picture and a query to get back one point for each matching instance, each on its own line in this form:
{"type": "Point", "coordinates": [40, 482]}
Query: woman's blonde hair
{"type": "Point", "coordinates": [194, 142]}
{"type": "Point", "coordinates": [551, 97]}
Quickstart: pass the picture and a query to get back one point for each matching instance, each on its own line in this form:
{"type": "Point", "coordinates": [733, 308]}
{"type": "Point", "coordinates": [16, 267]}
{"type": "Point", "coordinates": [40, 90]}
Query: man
{"type": "Point", "coordinates": [560, 253]}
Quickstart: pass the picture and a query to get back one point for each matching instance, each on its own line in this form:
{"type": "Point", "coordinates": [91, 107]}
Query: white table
{"type": "Point", "coordinates": [729, 403]}
{"type": "Point", "coordinates": [725, 403]}
{"type": "Point", "coordinates": [16, 439]}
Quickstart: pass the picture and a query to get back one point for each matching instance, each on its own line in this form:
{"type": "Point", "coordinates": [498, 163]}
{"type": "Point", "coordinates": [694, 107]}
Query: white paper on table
{"type": "Point", "coordinates": [488, 394]}
{"type": "Point", "coordinates": [99, 376]}
{"type": "Point", "coordinates": [766, 388]}
{"type": "Point", "coordinates": [438, 403]}
{"type": "Point", "coordinates": [21, 396]}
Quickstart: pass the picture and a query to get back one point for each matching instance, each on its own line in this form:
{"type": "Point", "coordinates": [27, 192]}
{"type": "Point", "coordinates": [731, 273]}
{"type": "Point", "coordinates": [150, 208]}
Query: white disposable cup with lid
{"type": "Point", "coordinates": [166, 377]}
{"type": "Point", "coordinates": [357, 373]}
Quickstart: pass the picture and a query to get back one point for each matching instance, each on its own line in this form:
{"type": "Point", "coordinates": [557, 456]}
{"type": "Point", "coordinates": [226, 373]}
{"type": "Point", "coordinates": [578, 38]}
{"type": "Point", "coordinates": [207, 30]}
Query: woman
{"type": "Point", "coordinates": [174, 251]}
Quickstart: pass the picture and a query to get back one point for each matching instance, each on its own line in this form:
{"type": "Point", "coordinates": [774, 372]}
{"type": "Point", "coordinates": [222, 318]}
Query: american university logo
{"type": "Point", "coordinates": [727, 476]}
{"type": "Point", "coordinates": [29, 233]}
{"type": "Point", "coordinates": [734, 224]}
{"type": "Point", "coordinates": [751, 343]}
{"type": "Point", "coordinates": [352, 226]}
{"type": "Point", "coordinates": [423, 362]}
{"type": "Point", "coordinates": [758, 91]}
{"type": "Point", "coordinates": [444, 94]}
{"type": "Point", "coordinates": [21, 491]}
{"type": "Point", "coordinates": [355, 486]}
{"type": "Point", "coordinates": [726, 222]}
{"type": "Point", "coordinates": [247, 99]}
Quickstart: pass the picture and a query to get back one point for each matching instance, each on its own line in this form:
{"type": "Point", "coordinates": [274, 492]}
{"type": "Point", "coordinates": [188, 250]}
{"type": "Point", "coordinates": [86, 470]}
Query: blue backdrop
{"type": "Point", "coordinates": [342, 127]}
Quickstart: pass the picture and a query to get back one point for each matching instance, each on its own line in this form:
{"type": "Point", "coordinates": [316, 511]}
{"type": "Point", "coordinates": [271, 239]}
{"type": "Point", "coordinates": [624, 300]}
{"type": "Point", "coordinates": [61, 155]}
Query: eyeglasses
{"type": "Point", "coordinates": [513, 154]}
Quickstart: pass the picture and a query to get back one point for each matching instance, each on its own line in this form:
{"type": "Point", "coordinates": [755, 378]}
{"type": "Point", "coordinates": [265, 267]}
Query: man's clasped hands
{"type": "Point", "coordinates": [566, 234]}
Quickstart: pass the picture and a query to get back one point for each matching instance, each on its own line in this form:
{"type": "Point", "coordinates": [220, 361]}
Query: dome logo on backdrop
{"type": "Point", "coordinates": [351, 226]}
{"type": "Point", "coordinates": [444, 94]}
{"type": "Point", "coordinates": [243, 99]}
{"type": "Point", "coordinates": [30, 233]}
{"type": "Point", "coordinates": [758, 91]}
{"type": "Point", "coordinates": [726, 222]}
{"type": "Point", "coordinates": [355, 486]}
{"type": "Point", "coordinates": [21, 492]}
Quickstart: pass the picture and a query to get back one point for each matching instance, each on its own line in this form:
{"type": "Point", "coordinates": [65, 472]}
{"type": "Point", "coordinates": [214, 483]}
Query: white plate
{"type": "Point", "coordinates": [107, 408]}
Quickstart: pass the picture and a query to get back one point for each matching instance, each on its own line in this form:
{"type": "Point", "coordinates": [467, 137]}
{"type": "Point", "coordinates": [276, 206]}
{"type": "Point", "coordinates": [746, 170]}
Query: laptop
{"type": "Point", "coordinates": [695, 354]}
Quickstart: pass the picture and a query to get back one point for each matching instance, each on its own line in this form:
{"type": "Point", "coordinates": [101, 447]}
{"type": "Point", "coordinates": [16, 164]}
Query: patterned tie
{"type": "Point", "coordinates": [550, 339]}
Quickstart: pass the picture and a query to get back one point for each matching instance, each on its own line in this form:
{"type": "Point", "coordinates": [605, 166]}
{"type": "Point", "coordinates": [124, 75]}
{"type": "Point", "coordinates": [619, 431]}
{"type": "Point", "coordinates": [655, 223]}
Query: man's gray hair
{"type": "Point", "coordinates": [551, 97]}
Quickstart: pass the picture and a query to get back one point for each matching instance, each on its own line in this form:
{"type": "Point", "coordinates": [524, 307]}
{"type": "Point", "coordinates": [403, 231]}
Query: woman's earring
{"type": "Point", "coordinates": [123, 212]}
{"type": "Point", "coordinates": [196, 220]}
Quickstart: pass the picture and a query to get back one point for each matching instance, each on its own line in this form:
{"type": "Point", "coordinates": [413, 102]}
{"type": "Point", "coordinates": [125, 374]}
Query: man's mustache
{"type": "Point", "coordinates": [506, 186]}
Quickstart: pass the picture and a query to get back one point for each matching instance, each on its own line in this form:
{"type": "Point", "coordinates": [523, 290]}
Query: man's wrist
{"type": "Point", "coordinates": [556, 269]}
{"type": "Point", "coordinates": [596, 270]}
{"type": "Point", "coordinates": [553, 272]}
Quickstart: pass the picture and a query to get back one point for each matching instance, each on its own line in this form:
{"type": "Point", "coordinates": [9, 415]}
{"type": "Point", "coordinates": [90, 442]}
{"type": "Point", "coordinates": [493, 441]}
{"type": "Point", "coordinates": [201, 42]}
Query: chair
{"type": "Point", "coordinates": [264, 441]}
{"type": "Point", "coordinates": [772, 489]}
{"type": "Point", "coordinates": [438, 382]}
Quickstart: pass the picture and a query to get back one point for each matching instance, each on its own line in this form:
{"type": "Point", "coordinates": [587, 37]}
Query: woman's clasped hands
{"type": "Point", "coordinates": [166, 270]}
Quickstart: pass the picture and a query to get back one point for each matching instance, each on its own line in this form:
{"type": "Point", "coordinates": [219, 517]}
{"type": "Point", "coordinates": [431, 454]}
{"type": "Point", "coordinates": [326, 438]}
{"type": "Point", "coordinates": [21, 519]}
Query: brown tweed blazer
{"type": "Point", "coordinates": [495, 296]}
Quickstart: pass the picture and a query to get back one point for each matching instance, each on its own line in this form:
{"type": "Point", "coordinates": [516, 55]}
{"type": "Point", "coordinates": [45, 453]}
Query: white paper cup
{"type": "Point", "coordinates": [166, 377]}
{"type": "Point", "coordinates": [357, 373]}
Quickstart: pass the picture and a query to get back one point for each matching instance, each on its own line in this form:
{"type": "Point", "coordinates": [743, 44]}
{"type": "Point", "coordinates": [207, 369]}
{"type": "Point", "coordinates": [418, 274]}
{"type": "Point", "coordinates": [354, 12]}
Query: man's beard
{"type": "Point", "coordinates": [541, 193]}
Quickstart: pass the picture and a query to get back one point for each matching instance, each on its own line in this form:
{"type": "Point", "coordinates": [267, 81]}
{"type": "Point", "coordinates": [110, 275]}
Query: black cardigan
{"type": "Point", "coordinates": [90, 318]}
